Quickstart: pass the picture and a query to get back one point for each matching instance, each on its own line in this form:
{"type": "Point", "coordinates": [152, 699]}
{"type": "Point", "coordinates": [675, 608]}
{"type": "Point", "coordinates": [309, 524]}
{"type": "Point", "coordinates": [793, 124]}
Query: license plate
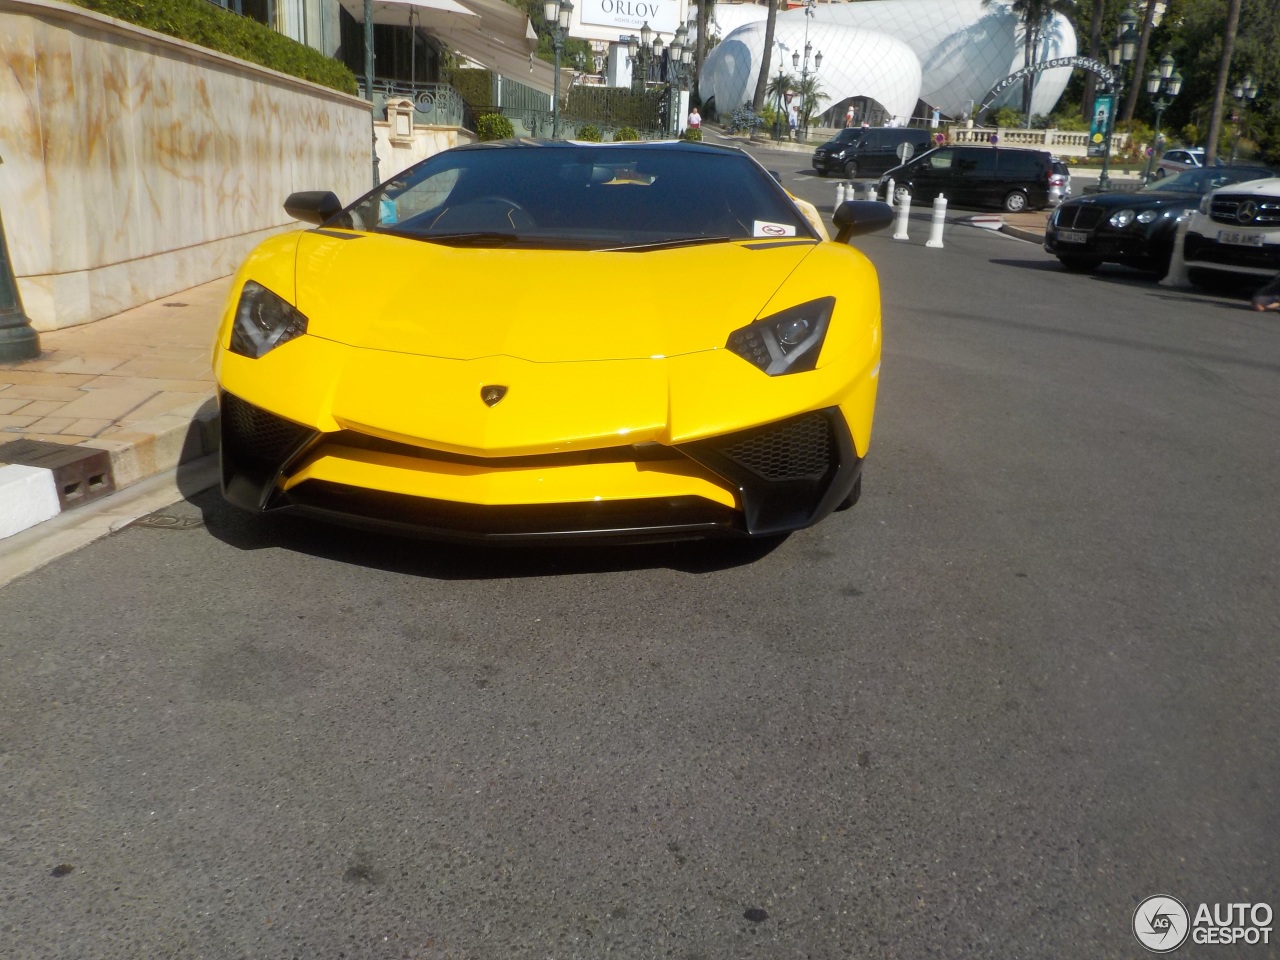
{"type": "Point", "coordinates": [1243, 238]}
{"type": "Point", "coordinates": [1073, 236]}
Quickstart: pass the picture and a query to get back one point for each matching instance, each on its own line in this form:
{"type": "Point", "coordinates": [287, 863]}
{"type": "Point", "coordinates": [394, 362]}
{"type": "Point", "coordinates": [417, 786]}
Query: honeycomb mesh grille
{"type": "Point", "coordinates": [800, 449]}
{"type": "Point", "coordinates": [259, 435]}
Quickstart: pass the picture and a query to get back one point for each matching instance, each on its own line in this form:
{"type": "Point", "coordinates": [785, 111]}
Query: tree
{"type": "Point", "coordinates": [1224, 74]}
{"type": "Point", "coordinates": [757, 101]}
{"type": "Point", "coordinates": [1035, 17]}
{"type": "Point", "coordinates": [1140, 60]}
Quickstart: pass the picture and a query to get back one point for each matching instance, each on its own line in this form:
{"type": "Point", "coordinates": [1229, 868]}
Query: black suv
{"type": "Point", "coordinates": [866, 151]}
{"type": "Point", "coordinates": [980, 176]}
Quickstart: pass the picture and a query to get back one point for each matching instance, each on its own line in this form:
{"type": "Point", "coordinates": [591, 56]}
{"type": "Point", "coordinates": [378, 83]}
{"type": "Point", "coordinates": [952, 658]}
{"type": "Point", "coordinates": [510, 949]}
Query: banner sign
{"type": "Point", "coordinates": [663, 16]}
{"type": "Point", "coordinates": [1104, 105]}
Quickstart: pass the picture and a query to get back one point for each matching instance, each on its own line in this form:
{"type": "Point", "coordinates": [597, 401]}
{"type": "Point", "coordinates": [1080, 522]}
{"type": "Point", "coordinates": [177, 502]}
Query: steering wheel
{"type": "Point", "coordinates": [516, 214]}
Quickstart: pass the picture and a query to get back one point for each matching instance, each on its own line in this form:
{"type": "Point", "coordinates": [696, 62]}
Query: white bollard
{"type": "Point", "coordinates": [939, 218]}
{"type": "Point", "coordinates": [839, 195]}
{"type": "Point", "coordinates": [888, 193]}
{"type": "Point", "coordinates": [904, 211]}
{"type": "Point", "coordinates": [871, 191]}
{"type": "Point", "coordinates": [1177, 275]}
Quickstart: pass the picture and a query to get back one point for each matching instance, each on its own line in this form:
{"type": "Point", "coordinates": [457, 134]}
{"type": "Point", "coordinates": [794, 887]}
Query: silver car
{"type": "Point", "coordinates": [1059, 182]}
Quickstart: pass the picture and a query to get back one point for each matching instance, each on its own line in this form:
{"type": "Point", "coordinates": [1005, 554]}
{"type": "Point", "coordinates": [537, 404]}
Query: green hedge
{"type": "Point", "coordinates": [475, 86]}
{"type": "Point", "coordinates": [203, 23]}
{"type": "Point", "coordinates": [612, 105]}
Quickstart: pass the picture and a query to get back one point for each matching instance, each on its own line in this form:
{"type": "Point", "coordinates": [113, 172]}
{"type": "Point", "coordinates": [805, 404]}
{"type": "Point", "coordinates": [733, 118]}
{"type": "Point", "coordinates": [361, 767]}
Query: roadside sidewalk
{"type": "Point", "coordinates": [137, 386]}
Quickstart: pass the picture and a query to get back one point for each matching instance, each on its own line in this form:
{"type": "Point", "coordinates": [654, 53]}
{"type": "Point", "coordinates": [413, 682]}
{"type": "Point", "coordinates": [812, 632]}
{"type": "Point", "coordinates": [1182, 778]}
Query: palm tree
{"type": "Point", "coordinates": [1140, 60]}
{"type": "Point", "coordinates": [1220, 88]}
{"type": "Point", "coordinates": [1035, 16]}
{"type": "Point", "coordinates": [757, 101]}
{"type": "Point", "coordinates": [811, 97]}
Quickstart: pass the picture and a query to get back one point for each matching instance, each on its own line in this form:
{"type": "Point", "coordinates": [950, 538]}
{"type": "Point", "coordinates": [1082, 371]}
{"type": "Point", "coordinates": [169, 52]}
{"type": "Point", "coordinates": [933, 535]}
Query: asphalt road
{"type": "Point", "coordinates": [1027, 682]}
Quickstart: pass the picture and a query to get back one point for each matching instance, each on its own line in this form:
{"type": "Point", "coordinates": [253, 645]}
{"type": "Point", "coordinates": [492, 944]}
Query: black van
{"type": "Point", "coordinates": [867, 151]}
{"type": "Point", "coordinates": [980, 176]}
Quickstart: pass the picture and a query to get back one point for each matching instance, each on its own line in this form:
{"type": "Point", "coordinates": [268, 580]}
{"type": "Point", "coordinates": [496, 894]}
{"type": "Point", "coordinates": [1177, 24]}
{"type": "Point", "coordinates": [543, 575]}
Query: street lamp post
{"type": "Point", "coordinates": [1165, 82]}
{"type": "Point", "coordinates": [777, 117]}
{"type": "Point", "coordinates": [679, 69]}
{"type": "Point", "coordinates": [558, 14]}
{"type": "Point", "coordinates": [1123, 49]}
{"type": "Point", "coordinates": [641, 51]}
{"type": "Point", "coordinates": [809, 7]}
{"type": "Point", "coordinates": [1245, 92]}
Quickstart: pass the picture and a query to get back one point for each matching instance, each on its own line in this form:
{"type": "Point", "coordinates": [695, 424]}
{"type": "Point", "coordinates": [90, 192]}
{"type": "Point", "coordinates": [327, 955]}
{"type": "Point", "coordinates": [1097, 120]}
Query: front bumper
{"type": "Point", "coordinates": [827, 164]}
{"type": "Point", "coordinates": [1144, 248]}
{"type": "Point", "coordinates": [765, 480]}
{"type": "Point", "coordinates": [1202, 252]}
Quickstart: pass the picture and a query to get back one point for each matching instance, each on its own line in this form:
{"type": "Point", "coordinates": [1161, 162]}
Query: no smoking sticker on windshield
{"type": "Point", "coordinates": [763, 228]}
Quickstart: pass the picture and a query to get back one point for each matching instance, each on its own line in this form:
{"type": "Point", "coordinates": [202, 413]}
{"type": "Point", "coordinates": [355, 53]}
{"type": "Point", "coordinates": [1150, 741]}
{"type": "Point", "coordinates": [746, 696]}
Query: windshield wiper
{"type": "Point", "coordinates": [477, 238]}
{"type": "Point", "coordinates": [666, 244]}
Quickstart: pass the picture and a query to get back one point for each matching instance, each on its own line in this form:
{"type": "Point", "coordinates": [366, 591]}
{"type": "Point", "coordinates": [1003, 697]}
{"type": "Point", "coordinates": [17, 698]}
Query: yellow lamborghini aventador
{"type": "Point", "coordinates": [538, 339]}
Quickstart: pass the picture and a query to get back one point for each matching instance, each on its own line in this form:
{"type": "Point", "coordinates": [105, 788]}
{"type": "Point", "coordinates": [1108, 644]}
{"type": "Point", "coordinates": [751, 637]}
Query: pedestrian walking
{"type": "Point", "coordinates": [695, 119]}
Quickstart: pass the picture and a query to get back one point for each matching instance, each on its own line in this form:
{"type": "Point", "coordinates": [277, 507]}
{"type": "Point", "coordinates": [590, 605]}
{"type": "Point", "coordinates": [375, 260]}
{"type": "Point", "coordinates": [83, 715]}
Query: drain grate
{"type": "Point", "coordinates": [82, 474]}
{"type": "Point", "coordinates": [167, 521]}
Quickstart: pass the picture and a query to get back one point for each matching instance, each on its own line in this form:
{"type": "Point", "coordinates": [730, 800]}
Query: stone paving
{"type": "Point", "coordinates": [132, 384]}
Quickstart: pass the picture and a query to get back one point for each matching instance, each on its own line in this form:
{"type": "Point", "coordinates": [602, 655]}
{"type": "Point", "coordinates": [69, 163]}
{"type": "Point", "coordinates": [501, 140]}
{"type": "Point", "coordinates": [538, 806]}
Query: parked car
{"type": "Point", "coordinates": [1235, 233]}
{"type": "Point", "coordinates": [406, 365]}
{"type": "Point", "coordinates": [1137, 228]}
{"type": "Point", "coordinates": [984, 176]}
{"type": "Point", "coordinates": [1059, 182]}
{"type": "Point", "coordinates": [867, 151]}
{"type": "Point", "coordinates": [1174, 161]}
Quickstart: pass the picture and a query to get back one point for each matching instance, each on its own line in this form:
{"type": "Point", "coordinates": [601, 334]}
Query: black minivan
{"type": "Point", "coordinates": [867, 151]}
{"type": "Point", "coordinates": [980, 176]}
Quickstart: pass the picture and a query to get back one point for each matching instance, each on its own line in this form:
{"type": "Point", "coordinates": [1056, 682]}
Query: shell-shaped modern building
{"type": "Point", "coordinates": [946, 54]}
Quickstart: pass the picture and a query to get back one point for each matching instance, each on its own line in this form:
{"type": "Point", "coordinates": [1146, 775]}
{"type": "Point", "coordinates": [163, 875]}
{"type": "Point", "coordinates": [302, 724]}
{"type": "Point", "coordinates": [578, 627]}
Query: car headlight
{"type": "Point", "coordinates": [1205, 203]}
{"type": "Point", "coordinates": [1147, 216]}
{"type": "Point", "coordinates": [263, 322]}
{"type": "Point", "coordinates": [1121, 218]}
{"type": "Point", "coordinates": [787, 342]}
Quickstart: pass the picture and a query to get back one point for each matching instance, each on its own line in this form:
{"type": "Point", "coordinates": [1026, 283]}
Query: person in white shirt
{"type": "Point", "coordinates": [695, 119]}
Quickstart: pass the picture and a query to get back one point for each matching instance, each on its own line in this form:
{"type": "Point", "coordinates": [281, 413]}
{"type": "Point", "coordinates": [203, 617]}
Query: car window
{"type": "Point", "coordinates": [581, 196]}
{"type": "Point", "coordinates": [939, 160]}
{"type": "Point", "coordinates": [1019, 163]}
{"type": "Point", "coordinates": [975, 163]}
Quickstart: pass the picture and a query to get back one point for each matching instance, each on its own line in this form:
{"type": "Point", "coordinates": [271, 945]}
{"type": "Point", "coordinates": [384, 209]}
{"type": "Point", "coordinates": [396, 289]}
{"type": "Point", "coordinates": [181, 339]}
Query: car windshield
{"type": "Point", "coordinates": [581, 196]}
{"type": "Point", "coordinates": [1204, 179]}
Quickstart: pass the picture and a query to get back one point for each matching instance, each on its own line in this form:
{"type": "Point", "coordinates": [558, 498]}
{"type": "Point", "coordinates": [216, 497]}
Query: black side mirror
{"type": "Point", "coordinates": [854, 217]}
{"type": "Point", "coordinates": [776, 175]}
{"type": "Point", "coordinates": [312, 206]}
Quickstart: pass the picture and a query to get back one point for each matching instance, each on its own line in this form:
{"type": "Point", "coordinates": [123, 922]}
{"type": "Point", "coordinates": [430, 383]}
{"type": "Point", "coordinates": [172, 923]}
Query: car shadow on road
{"type": "Point", "coordinates": [448, 561]}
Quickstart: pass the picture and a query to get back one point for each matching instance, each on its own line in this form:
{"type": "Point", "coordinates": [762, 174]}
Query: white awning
{"type": "Point", "coordinates": [400, 13]}
{"type": "Point", "coordinates": [490, 32]}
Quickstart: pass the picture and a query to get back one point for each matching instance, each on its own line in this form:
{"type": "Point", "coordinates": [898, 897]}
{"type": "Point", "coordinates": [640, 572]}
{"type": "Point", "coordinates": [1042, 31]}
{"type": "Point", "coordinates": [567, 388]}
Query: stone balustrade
{"type": "Point", "coordinates": [1062, 143]}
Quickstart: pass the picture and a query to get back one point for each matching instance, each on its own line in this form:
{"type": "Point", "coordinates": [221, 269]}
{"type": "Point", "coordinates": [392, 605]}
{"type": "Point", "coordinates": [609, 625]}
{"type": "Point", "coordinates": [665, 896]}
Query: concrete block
{"type": "Point", "coordinates": [28, 495]}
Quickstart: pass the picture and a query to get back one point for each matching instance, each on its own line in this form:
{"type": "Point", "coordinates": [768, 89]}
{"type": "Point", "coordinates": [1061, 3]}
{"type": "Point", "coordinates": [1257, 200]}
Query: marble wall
{"type": "Point", "coordinates": [136, 165]}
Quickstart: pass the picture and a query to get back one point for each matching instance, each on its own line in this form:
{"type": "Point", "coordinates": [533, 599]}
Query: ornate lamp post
{"type": "Point", "coordinates": [804, 77]}
{"type": "Point", "coordinates": [1165, 81]}
{"type": "Point", "coordinates": [558, 14]}
{"type": "Point", "coordinates": [18, 340]}
{"type": "Point", "coordinates": [1245, 92]}
{"type": "Point", "coordinates": [641, 51]}
{"type": "Point", "coordinates": [1122, 51]}
{"type": "Point", "coordinates": [679, 70]}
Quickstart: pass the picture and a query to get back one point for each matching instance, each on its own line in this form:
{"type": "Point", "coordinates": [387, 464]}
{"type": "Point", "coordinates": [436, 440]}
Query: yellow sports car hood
{"type": "Point", "coordinates": [407, 296]}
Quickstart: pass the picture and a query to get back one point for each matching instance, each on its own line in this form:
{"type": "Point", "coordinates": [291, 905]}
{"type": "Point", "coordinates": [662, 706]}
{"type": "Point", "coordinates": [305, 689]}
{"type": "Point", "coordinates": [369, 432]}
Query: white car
{"type": "Point", "coordinates": [1236, 231]}
{"type": "Point", "coordinates": [1179, 159]}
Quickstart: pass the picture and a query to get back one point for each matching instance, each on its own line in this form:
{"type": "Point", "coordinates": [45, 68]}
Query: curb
{"type": "Point", "coordinates": [29, 494]}
{"type": "Point", "coordinates": [1028, 235]}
